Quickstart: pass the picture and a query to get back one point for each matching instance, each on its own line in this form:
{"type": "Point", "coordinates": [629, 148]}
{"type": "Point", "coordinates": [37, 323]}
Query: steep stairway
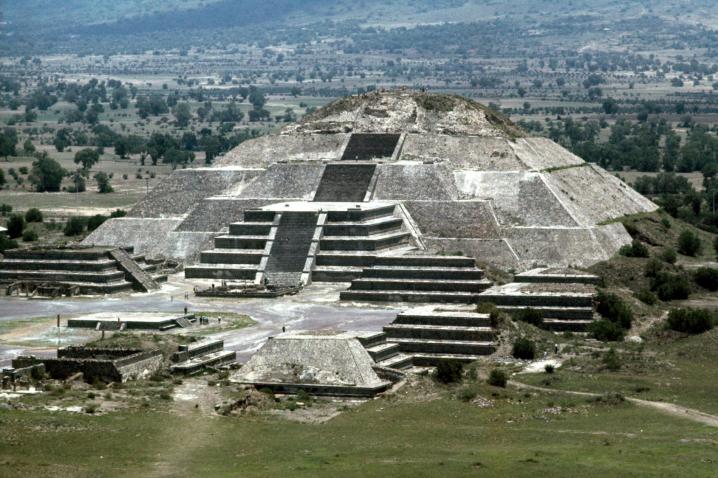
{"type": "Point", "coordinates": [290, 248]}
{"type": "Point", "coordinates": [135, 273]}
{"type": "Point", "coordinates": [368, 146]}
{"type": "Point", "coordinates": [345, 183]}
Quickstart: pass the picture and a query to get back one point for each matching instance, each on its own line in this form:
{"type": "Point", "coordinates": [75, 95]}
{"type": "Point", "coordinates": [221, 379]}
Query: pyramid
{"type": "Point", "coordinates": [453, 176]}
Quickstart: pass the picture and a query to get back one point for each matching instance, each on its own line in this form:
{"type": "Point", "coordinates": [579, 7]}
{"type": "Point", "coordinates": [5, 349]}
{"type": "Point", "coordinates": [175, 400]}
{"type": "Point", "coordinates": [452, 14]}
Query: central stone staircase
{"type": "Point", "coordinates": [290, 248]}
{"type": "Point", "coordinates": [345, 183]}
{"type": "Point", "coordinates": [367, 146]}
{"type": "Point", "coordinates": [195, 357]}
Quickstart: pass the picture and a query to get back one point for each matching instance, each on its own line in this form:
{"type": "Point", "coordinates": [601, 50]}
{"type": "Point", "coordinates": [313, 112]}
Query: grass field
{"type": "Point", "coordinates": [424, 431]}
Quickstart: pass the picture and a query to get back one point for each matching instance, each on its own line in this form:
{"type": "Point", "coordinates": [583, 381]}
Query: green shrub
{"type": "Point", "coordinates": [715, 241]}
{"type": "Point", "coordinates": [485, 307]}
{"type": "Point", "coordinates": [467, 394]}
{"type": "Point", "coordinates": [6, 243]}
{"type": "Point", "coordinates": [529, 315]}
{"type": "Point", "coordinates": [6, 209]}
{"type": "Point", "coordinates": [74, 226]}
{"type": "Point", "coordinates": [29, 235]}
{"type": "Point", "coordinates": [669, 255]}
{"type": "Point", "coordinates": [635, 249]}
{"type": "Point", "coordinates": [95, 221]}
{"type": "Point", "coordinates": [33, 215]}
{"type": "Point", "coordinates": [611, 360]}
{"type": "Point", "coordinates": [449, 371]}
{"type": "Point", "coordinates": [118, 213]}
{"type": "Point", "coordinates": [666, 223]}
{"type": "Point", "coordinates": [498, 378]}
{"type": "Point", "coordinates": [613, 308]}
{"type": "Point", "coordinates": [606, 331]}
{"type": "Point", "coordinates": [707, 277]}
{"type": "Point", "coordinates": [15, 226]}
{"type": "Point", "coordinates": [689, 244]}
{"type": "Point", "coordinates": [653, 267]}
{"type": "Point", "coordinates": [691, 321]}
{"type": "Point", "coordinates": [549, 369]}
{"type": "Point", "coordinates": [524, 349]}
{"type": "Point", "coordinates": [671, 286]}
{"type": "Point", "coordinates": [646, 296]}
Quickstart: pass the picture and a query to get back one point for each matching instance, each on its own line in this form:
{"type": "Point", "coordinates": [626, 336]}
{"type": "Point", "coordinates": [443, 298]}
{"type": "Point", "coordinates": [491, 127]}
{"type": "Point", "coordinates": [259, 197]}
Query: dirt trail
{"type": "Point", "coordinates": [663, 407]}
{"type": "Point", "coordinates": [194, 401]}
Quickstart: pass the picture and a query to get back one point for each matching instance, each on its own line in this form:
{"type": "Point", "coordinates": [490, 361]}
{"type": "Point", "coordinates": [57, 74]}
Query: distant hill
{"type": "Point", "coordinates": [61, 25]}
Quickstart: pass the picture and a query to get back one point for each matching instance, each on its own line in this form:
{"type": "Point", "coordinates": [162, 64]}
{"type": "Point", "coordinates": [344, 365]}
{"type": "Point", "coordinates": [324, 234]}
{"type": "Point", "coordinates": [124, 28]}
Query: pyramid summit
{"type": "Point", "coordinates": [381, 175]}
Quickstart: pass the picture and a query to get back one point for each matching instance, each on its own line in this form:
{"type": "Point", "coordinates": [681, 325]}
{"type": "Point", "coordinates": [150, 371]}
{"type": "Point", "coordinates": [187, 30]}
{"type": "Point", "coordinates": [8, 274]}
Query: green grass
{"type": "Point", "coordinates": [386, 437]}
{"type": "Point", "coordinates": [681, 371]}
{"type": "Point", "coordinates": [230, 321]}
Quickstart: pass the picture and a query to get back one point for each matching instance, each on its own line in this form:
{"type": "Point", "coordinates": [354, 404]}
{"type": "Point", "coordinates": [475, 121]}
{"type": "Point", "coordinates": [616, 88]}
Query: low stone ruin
{"type": "Point", "coordinates": [97, 364]}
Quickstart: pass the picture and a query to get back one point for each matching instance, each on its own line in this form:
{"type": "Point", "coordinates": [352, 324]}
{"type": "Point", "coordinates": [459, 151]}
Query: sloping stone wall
{"type": "Point", "coordinates": [450, 219]}
{"type": "Point", "coordinates": [414, 182]}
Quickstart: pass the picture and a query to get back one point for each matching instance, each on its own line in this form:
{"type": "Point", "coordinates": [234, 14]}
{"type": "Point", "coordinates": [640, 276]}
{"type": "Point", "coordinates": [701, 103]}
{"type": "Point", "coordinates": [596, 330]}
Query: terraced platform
{"type": "Point", "coordinates": [84, 270]}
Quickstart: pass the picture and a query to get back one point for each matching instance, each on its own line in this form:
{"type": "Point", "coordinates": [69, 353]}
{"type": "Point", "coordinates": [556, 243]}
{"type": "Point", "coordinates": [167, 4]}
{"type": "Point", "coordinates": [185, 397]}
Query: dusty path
{"type": "Point", "coordinates": [663, 407]}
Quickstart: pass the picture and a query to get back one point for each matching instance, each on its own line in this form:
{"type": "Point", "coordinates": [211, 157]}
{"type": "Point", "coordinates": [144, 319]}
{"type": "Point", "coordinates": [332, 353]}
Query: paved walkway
{"type": "Point", "coordinates": [317, 307]}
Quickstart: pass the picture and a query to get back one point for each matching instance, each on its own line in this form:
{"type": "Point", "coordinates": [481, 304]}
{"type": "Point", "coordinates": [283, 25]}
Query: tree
{"type": "Point", "coordinates": [46, 174]}
{"type": "Point", "coordinates": [689, 244]}
{"type": "Point", "coordinates": [28, 147]}
{"type": "Point", "coordinates": [33, 215]}
{"type": "Point", "coordinates": [15, 226]}
{"type": "Point", "coordinates": [87, 158]}
{"type": "Point", "coordinates": [183, 114]}
{"type": "Point", "coordinates": [610, 106]}
{"type": "Point", "coordinates": [74, 226]}
{"type": "Point", "coordinates": [103, 183]}
{"type": "Point", "coordinates": [2, 178]}
{"type": "Point", "coordinates": [8, 141]}
{"type": "Point", "coordinates": [62, 139]}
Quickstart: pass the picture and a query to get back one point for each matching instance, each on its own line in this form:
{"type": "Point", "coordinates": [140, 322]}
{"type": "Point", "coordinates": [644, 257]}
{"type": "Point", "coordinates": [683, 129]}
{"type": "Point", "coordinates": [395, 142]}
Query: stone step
{"type": "Point", "coordinates": [346, 258]}
{"type": "Point", "coordinates": [411, 345]}
{"type": "Point", "coordinates": [240, 242]}
{"type": "Point", "coordinates": [221, 271]}
{"type": "Point", "coordinates": [98, 265]}
{"type": "Point", "coordinates": [433, 359]}
{"type": "Point", "coordinates": [198, 364]}
{"type": "Point", "coordinates": [563, 325]}
{"type": "Point", "coordinates": [258, 215]}
{"type": "Point", "coordinates": [94, 287]}
{"type": "Point", "coordinates": [250, 228]}
{"type": "Point", "coordinates": [102, 277]}
{"type": "Point", "coordinates": [335, 274]}
{"type": "Point", "coordinates": [369, 339]}
{"type": "Point", "coordinates": [398, 361]}
{"type": "Point", "coordinates": [370, 243]}
{"type": "Point", "coordinates": [425, 261]}
{"type": "Point", "coordinates": [383, 351]}
{"type": "Point", "coordinates": [539, 300]}
{"type": "Point", "coordinates": [422, 272]}
{"type": "Point", "coordinates": [372, 283]}
{"type": "Point", "coordinates": [409, 296]}
{"type": "Point", "coordinates": [444, 318]}
{"type": "Point", "coordinates": [376, 226]}
{"type": "Point", "coordinates": [232, 256]}
{"type": "Point", "coordinates": [357, 214]}
{"type": "Point", "coordinates": [344, 183]}
{"type": "Point", "coordinates": [439, 332]}
{"type": "Point", "coordinates": [557, 278]}
{"type": "Point", "coordinates": [565, 313]}
{"type": "Point", "coordinates": [89, 254]}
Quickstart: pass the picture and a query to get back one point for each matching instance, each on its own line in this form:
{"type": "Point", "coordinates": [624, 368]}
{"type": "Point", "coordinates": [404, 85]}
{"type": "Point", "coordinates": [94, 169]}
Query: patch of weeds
{"type": "Point", "coordinates": [611, 360]}
{"type": "Point", "coordinates": [498, 378]}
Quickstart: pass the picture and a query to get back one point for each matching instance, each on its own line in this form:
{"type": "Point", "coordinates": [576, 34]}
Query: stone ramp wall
{"type": "Point", "coordinates": [467, 152]}
{"type": "Point", "coordinates": [151, 237]}
{"type": "Point", "coordinates": [216, 213]}
{"type": "Point", "coordinates": [414, 182]}
{"type": "Point", "coordinates": [262, 151]}
{"type": "Point", "coordinates": [519, 198]}
{"type": "Point", "coordinates": [450, 219]}
{"type": "Point", "coordinates": [540, 154]}
{"type": "Point", "coordinates": [179, 193]}
{"type": "Point", "coordinates": [593, 195]}
{"type": "Point", "coordinates": [282, 182]}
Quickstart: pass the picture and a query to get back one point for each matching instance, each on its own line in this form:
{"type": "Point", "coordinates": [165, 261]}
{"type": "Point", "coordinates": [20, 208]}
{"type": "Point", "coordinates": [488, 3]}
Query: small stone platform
{"type": "Point", "coordinates": [133, 320]}
{"type": "Point", "coordinates": [322, 362]}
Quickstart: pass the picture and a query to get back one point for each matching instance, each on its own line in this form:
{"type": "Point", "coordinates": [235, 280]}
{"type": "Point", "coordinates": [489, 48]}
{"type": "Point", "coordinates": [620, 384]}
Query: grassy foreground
{"type": "Point", "coordinates": [424, 430]}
